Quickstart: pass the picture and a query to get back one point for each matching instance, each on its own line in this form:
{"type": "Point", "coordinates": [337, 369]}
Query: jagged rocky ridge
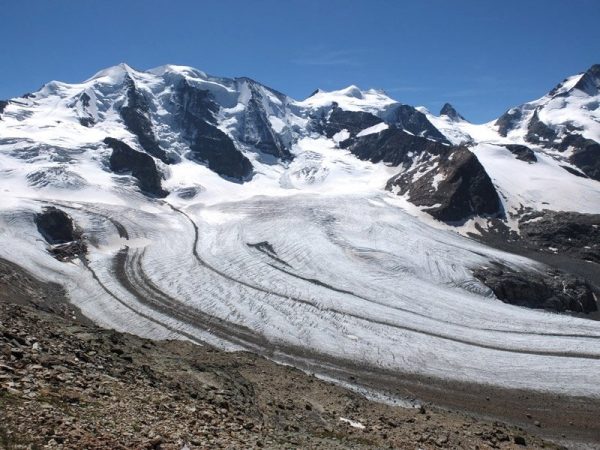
{"type": "Point", "coordinates": [544, 127]}
{"type": "Point", "coordinates": [456, 189]}
{"type": "Point", "coordinates": [449, 111]}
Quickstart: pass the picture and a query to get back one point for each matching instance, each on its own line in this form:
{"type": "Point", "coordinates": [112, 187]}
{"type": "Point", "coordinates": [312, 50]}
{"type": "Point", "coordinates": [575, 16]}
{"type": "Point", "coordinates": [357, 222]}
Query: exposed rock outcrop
{"type": "Point", "coordinates": [208, 144]}
{"type": "Point", "coordinates": [352, 121]}
{"type": "Point", "coordinates": [453, 186]}
{"type": "Point", "coordinates": [539, 133]}
{"type": "Point", "coordinates": [3, 105]}
{"type": "Point", "coordinates": [563, 232]}
{"type": "Point", "coordinates": [573, 171]}
{"type": "Point", "coordinates": [137, 120]}
{"type": "Point", "coordinates": [552, 290]}
{"type": "Point", "coordinates": [590, 81]}
{"type": "Point", "coordinates": [56, 226]}
{"type": "Point", "coordinates": [507, 121]}
{"type": "Point", "coordinates": [256, 129]}
{"type": "Point", "coordinates": [140, 165]}
{"type": "Point", "coordinates": [415, 122]}
{"type": "Point", "coordinates": [522, 152]}
{"type": "Point", "coordinates": [86, 119]}
{"type": "Point", "coordinates": [58, 229]}
{"type": "Point", "coordinates": [585, 155]}
{"type": "Point", "coordinates": [449, 111]}
{"type": "Point", "coordinates": [394, 147]}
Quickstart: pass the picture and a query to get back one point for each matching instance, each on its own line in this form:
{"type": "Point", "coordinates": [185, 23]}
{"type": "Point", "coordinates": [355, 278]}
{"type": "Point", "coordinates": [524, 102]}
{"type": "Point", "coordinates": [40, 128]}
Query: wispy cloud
{"type": "Point", "coordinates": [321, 57]}
{"type": "Point", "coordinates": [401, 89]}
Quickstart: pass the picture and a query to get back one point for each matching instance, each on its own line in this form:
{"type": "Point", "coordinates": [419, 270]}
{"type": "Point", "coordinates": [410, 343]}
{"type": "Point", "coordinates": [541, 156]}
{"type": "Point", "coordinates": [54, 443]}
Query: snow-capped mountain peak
{"type": "Point", "coordinates": [589, 82]}
{"type": "Point", "coordinates": [113, 74]}
{"type": "Point", "coordinates": [241, 130]}
{"type": "Point", "coordinates": [350, 98]}
{"type": "Point", "coordinates": [449, 111]}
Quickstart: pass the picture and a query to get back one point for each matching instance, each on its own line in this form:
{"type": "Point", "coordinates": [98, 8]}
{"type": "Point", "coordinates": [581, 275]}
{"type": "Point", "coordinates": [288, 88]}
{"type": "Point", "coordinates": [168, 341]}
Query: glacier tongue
{"type": "Point", "coordinates": [346, 278]}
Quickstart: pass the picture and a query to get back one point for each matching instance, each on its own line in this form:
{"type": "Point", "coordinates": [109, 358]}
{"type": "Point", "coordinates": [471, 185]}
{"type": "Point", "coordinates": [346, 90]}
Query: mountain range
{"type": "Point", "coordinates": [346, 233]}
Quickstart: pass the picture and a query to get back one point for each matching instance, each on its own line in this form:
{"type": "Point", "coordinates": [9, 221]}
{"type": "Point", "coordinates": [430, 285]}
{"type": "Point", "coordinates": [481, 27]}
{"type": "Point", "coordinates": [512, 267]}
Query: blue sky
{"type": "Point", "coordinates": [481, 56]}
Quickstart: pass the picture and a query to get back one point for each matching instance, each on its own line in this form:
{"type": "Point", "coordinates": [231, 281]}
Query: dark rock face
{"type": "Point", "coordinates": [456, 189]}
{"type": "Point", "coordinates": [136, 119]}
{"type": "Point", "coordinates": [394, 147]}
{"type": "Point", "coordinates": [208, 145]}
{"type": "Point", "coordinates": [408, 118]}
{"type": "Point", "coordinates": [575, 172]}
{"type": "Point", "coordinates": [538, 132]}
{"type": "Point", "coordinates": [353, 121]}
{"type": "Point", "coordinates": [141, 166]}
{"type": "Point", "coordinates": [590, 81]}
{"type": "Point", "coordinates": [449, 111]}
{"type": "Point", "coordinates": [508, 121]}
{"type": "Point", "coordinates": [522, 152]}
{"type": "Point", "coordinates": [586, 154]}
{"type": "Point", "coordinates": [552, 290]}
{"type": "Point", "coordinates": [87, 120]}
{"type": "Point", "coordinates": [572, 233]}
{"type": "Point", "coordinates": [3, 105]}
{"type": "Point", "coordinates": [256, 129]}
{"type": "Point", "coordinates": [58, 229]}
{"type": "Point", "coordinates": [464, 188]}
{"type": "Point", "coordinates": [55, 225]}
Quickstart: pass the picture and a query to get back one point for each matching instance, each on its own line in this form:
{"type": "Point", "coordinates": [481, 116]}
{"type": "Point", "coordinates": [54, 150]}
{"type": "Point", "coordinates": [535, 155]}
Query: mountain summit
{"type": "Point", "coordinates": [449, 111]}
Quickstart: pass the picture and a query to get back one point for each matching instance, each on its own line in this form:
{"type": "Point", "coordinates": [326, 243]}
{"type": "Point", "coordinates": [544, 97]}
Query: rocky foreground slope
{"type": "Point", "coordinates": [65, 383]}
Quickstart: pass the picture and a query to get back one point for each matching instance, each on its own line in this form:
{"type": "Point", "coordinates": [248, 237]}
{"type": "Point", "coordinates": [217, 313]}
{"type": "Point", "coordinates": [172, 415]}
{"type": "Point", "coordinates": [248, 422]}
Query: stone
{"type": "Point", "coordinates": [520, 440]}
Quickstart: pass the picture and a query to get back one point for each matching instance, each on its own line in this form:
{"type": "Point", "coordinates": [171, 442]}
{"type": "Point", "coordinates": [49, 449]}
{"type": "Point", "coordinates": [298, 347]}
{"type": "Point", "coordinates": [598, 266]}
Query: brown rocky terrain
{"type": "Point", "coordinates": [66, 383]}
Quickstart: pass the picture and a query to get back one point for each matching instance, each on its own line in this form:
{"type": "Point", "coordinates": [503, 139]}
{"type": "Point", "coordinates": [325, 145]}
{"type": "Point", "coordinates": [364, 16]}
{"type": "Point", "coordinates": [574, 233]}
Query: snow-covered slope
{"type": "Point", "coordinates": [572, 107]}
{"type": "Point", "coordinates": [561, 130]}
{"type": "Point", "coordinates": [221, 210]}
